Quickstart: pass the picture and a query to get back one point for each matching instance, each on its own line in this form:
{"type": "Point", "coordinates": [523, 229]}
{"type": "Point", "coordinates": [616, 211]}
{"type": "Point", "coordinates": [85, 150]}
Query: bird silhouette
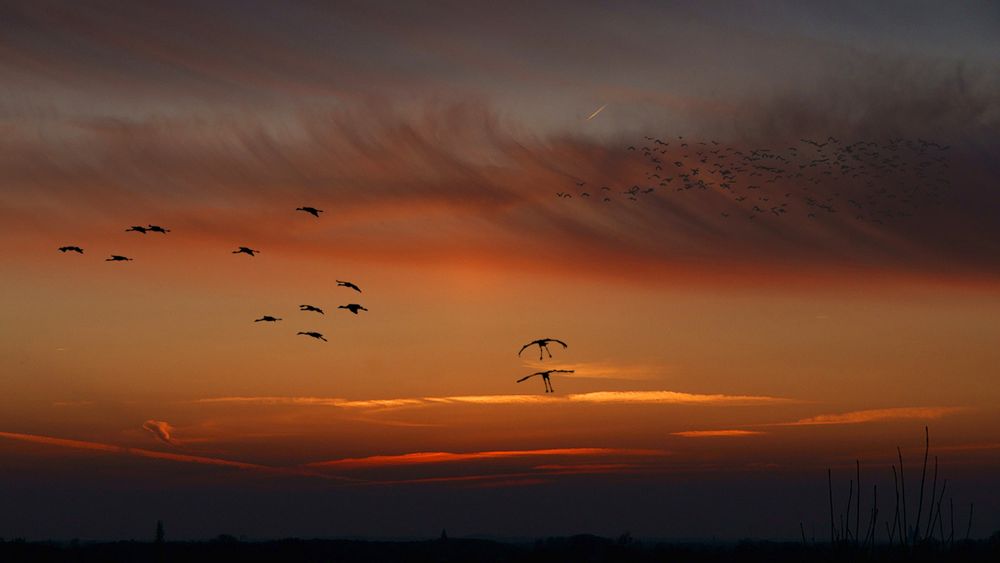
{"type": "Point", "coordinates": [545, 377]}
{"type": "Point", "coordinates": [352, 307]}
{"type": "Point", "coordinates": [315, 335]}
{"type": "Point", "coordinates": [267, 319]}
{"type": "Point", "coordinates": [310, 210]}
{"type": "Point", "coordinates": [543, 345]}
{"type": "Point", "coordinates": [348, 284]}
{"type": "Point", "coordinates": [137, 229]}
{"type": "Point", "coordinates": [311, 308]}
{"type": "Point", "coordinates": [246, 250]}
{"type": "Point", "coordinates": [117, 258]}
{"type": "Point", "coordinates": [65, 249]}
{"type": "Point", "coordinates": [158, 229]}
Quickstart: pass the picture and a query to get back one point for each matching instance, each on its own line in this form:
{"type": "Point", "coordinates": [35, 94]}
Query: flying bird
{"type": "Point", "coordinates": [157, 229]}
{"type": "Point", "coordinates": [545, 377]}
{"type": "Point", "coordinates": [311, 308]}
{"type": "Point", "coordinates": [245, 250]}
{"type": "Point", "coordinates": [352, 307]}
{"type": "Point", "coordinates": [348, 284]}
{"type": "Point", "coordinates": [315, 335]}
{"type": "Point", "coordinates": [267, 319]}
{"type": "Point", "coordinates": [137, 229]}
{"type": "Point", "coordinates": [543, 345]}
{"type": "Point", "coordinates": [310, 210]}
{"type": "Point", "coordinates": [65, 249]}
{"type": "Point", "coordinates": [117, 258]}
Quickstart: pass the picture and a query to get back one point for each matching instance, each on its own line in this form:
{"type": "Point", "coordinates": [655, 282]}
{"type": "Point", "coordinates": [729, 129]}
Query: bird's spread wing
{"type": "Point", "coordinates": [526, 377]}
{"type": "Point", "coordinates": [564, 345]}
{"type": "Point", "coordinates": [524, 347]}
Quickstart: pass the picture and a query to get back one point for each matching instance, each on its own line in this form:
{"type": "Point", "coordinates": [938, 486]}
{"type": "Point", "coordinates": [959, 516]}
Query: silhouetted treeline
{"type": "Point", "coordinates": [576, 549]}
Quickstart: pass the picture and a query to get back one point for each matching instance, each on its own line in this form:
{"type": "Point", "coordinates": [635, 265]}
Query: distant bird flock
{"type": "Point", "coordinates": [352, 307]}
{"type": "Point", "coordinates": [863, 180]}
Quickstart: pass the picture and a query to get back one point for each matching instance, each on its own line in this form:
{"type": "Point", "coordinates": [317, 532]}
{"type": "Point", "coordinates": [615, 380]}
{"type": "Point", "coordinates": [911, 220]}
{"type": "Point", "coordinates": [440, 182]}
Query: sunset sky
{"type": "Point", "coordinates": [721, 363]}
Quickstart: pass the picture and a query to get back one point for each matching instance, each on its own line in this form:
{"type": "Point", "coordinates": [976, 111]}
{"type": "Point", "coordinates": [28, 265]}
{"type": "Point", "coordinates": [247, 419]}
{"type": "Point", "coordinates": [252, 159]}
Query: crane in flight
{"type": "Point", "coordinates": [316, 335]}
{"type": "Point", "coordinates": [310, 210]}
{"type": "Point", "coordinates": [65, 249]}
{"type": "Point", "coordinates": [543, 346]}
{"type": "Point", "coordinates": [311, 308]}
{"type": "Point", "coordinates": [352, 307]}
{"type": "Point", "coordinates": [545, 377]}
{"type": "Point", "coordinates": [117, 258]}
{"type": "Point", "coordinates": [348, 284]}
{"type": "Point", "coordinates": [246, 250]}
{"type": "Point", "coordinates": [267, 319]}
{"type": "Point", "coordinates": [158, 229]}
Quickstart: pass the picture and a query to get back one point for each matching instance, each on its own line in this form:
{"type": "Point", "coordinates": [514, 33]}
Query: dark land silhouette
{"type": "Point", "coordinates": [578, 548]}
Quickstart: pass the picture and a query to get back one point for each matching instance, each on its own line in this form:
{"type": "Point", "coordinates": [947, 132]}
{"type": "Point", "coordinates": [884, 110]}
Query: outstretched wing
{"type": "Point", "coordinates": [562, 371]}
{"type": "Point", "coordinates": [528, 377]}
{"type": "Point", "coordinates": [523, 348]}
{"type": "Point", "coordinates": [564, 345]}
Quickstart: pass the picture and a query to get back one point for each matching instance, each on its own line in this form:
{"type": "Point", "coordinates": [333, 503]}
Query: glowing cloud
{"type": "Point", "coordinates": [602, 370]}
{"type": "Point", "coordinates": [672, 397]}
{"type": "Point", "coordinates": [876, 415]}
{"type": "Point", "coordinates": [597, 397]}
{"type": "Point", "coordinates": [162, 430]}
{"type": "Point", "coordinates": [715, 433]}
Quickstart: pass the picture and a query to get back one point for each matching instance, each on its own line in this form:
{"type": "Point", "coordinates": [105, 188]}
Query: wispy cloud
{"type": "Point", "coordinates": [162, 430]}
{"type": "Point", "coordinates": [716, 433]}
{"type": "Point", "coordinates": [153, 454]}
{"type": "Point", "coordinates": [876, 415]}
{"type": "Point", "coordinates": [596, 397]}
{"type": "Point", "coordinates": [602, 370]}
{"type": "Point", "coordinates": [421, 458]}
{"type": "Point", "coordinates": [673, 397]}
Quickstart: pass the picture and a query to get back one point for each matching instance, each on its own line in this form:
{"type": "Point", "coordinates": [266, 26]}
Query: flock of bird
{"type": "Point", "coordinates": [354, 308]}
{"type": "Point", "coordinates": [867, 180]}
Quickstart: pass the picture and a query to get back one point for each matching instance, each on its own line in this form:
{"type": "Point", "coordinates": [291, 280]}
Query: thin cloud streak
{"type": "Point", "coordinates": [716, 433]}
{"type": "Point", "coordinates": [422, 458]}
{"type": "Point", "coordinates": [596, 397]}
{"type": "Point", "coordinates": [602, 370]}
{"type": "Point", "coordinates": [876, 415]}
{"type": "Point", "coordinates": [152, 454]}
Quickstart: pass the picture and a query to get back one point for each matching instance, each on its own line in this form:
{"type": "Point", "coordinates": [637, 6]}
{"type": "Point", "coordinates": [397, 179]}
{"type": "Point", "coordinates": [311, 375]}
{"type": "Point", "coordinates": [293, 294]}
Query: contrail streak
{"type": "Point", "coordinates": [596, 112]}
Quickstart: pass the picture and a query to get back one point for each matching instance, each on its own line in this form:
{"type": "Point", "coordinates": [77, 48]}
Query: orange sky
{"type": "Point", "coordinates": [705, 350]}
